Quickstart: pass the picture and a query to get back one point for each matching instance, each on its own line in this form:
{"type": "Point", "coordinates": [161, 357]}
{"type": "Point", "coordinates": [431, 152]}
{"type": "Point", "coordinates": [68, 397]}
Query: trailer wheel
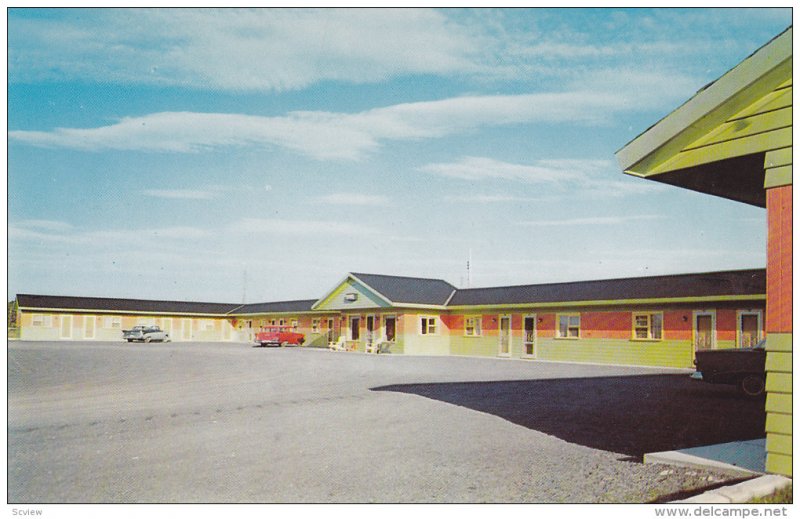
{"type": "Point", "coordinates": [752, 385]}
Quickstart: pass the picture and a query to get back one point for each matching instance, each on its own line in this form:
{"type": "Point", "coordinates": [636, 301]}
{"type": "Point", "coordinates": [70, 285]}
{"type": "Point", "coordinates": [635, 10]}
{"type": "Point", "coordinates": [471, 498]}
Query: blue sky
{"type": "Point", "coordinates": [260, 155]}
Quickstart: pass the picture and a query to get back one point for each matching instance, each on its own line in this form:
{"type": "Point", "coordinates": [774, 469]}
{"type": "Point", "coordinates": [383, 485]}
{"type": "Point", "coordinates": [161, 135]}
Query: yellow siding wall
{"type": "Point", "coordinates": [74, 326]}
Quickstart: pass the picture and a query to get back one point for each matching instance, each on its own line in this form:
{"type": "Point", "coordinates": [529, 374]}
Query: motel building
{"type": "Point", "coordinates": [646, 321]}
{"type": "Point", "coordinates": [732, 139]}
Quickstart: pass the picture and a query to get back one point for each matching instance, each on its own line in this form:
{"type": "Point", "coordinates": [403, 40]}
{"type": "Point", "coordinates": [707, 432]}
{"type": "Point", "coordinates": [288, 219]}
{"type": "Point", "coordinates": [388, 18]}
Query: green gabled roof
{"type": "Point", "coordinates": [675, 151]}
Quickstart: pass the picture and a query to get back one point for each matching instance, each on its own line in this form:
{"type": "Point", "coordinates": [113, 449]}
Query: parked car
{"type": "Point", "coordinates": [145, 334]}
{"type": "Point", "coordinates": [279, 336]}
{"type": "Point", "coordinates": [742, 367]}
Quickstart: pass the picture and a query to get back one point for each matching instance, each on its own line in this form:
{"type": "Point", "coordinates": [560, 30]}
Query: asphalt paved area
{"type": "Point", "coordinates": [211, 423]}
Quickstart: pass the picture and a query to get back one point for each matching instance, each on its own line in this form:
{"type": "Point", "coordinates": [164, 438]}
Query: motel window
{"type": "Point", "coordinates": [428, 325]}
{"type": "Point", "coordinates": [294, 324]}
{"type": "Point", "coordinates": [472, 326]}
{"type": "Point", "coordinates": [112, 322]}
{"type": "Point", "coordinates": [272, 322]}
{"type": "Point", "coordinates": [207, 325]}
{"type": "Point", "coordinates": [648, 326]}
{"type": "Point", "coordinates": [569, 326]}
{"type": "Point", "coordinates": [282, 322]}
{"type": "Point", "coordinates": [42, 321]}
{"type": "Point", "coordinates": [262, 323]}
{"type": "Point", "coordinates": [314, 325]}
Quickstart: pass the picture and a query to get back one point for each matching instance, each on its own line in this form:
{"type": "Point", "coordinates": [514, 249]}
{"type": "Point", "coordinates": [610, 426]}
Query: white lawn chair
{"type": "Point", "coordinates": [339, 345]}
{"type": "Point", "coordinates": [372, 346]}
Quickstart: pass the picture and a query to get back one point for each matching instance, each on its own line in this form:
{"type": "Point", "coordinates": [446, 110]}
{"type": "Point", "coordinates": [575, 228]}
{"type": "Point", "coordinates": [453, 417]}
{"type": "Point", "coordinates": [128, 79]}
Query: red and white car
{"type": "Point", "coordinates": [279, 336]}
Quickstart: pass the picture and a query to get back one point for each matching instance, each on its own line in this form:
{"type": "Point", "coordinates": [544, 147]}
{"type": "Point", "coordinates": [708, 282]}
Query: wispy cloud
{"type": "Point", "coordinates": [353, 199]}
{"type": "Point", "coordinates": [491, 199]}
{"type": "Point", "coordinates": [587, 177]}
{"type": "Point", "coordinates": [330, 135]}
{"type": "Point", "coordinates": [267, 226]}
{"type": "Point", "coordinates": [180, 194]}
{"type": "Point", "coordinates": [543, 171]}
{"type": "Point", "coordinates": [241, 50]}
{"type": "Point", "coordinates": [597, 220]}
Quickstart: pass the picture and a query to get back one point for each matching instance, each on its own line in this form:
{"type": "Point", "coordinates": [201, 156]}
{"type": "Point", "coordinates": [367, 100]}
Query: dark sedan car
{"type": "Point", "coordinates": [742, 367]}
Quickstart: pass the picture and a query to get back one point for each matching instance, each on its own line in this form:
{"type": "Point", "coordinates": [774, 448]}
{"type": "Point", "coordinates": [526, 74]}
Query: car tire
{"type": "Point", "coordinates": [300, 342]}
{"type": "Point", "coordinates": [147, 339]}
{"type": "Point", "coordinates": [752, 385]}
{"type": "Point", "coordinates": [130, 340]}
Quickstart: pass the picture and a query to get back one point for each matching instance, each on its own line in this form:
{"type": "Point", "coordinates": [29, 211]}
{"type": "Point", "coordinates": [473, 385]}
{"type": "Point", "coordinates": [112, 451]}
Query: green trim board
{"type": "Point", "coordinates": [779, 463]}
{"type": "Point", "coordinates": [778, 177]}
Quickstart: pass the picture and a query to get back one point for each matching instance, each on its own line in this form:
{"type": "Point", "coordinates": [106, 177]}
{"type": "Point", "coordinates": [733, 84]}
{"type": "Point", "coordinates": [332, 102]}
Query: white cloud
{"type": "Point", "coordinates": [592, 178]}
{"type": "Point", "coordinates": [597, 220]}
{"type": "Point", "coordinates": [491, 199]}
{"type": "Point", "coordinates": [241, 49]}
{"type": "Point", "coordinates": [267, 226]}
{"type": "Point", "coordinates": [330, 135]}
{"type": "Point", "coordinates": [353, 199]}
{"type": "Point", "coordinates": [543, 171]}
{"type": "Point", "coordinates": [181, 194]}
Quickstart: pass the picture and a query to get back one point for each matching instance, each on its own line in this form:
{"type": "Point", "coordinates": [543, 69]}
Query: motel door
{"type": "Point", "coordinates": [370, 330]}
{"type": "Point", "coordinates": [66, 327]}
{"type": "Point", "coordinates": [391, 328]}
{"type": "Point", "coordinates": [332, 335]}
{"type": "Point", "coordinates": [529, 329]}
{"type": "Point", "coordinates": [703, 331]}
{"type": "Point", "coordinates": [88, 326]}
{"type": "Point", "coordinates": [749, 332]}
{"type": "Point", "coordinates": [505, 335]}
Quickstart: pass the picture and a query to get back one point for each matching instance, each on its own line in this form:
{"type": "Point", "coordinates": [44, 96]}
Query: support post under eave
{"type": "Point", "coordinates": [778, 183]}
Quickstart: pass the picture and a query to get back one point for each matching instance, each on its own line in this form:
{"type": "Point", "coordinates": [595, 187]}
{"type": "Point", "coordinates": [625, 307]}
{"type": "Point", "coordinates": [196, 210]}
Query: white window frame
{"type": "Point", "coordinates": [425, 322]}
{"type": "Point", "coordinates": [477, 325]}
{"type": "Point", "coordinates": [568, 315]}
{"type": "Point", "coordinates": [315, 325]}
{"type": "Point", "coordinates": [207, 325]}
{"type": "Point", "coordinates": [739, 314]}
{"type": "Point", "coordinates": [112, 322]}
{"type": "Point", "coordinates": [44, 321]}
{"type": "Point", "coordinates": [648, 326]}
{"type": "Point", "coordinates": [294, 324]}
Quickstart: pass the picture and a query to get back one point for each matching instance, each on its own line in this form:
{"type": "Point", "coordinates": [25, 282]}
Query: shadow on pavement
{"type": "Point", "coordinates": [631, 415]}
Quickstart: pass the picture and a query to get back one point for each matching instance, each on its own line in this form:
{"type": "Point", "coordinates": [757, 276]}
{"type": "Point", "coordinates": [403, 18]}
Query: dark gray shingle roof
{"type": "Point", "coordinates": [122, 305]}
{"type": "Point", "coordinates": [277, 307]}
{"type": "Point", "coordinates": [399, 289]}
{"type": "Point", "coordinates": [737, 282]}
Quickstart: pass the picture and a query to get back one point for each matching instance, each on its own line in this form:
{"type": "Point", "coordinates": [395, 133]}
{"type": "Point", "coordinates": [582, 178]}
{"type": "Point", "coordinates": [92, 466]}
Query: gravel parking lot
{"type": "Point", "coordinates": [211, 423]}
